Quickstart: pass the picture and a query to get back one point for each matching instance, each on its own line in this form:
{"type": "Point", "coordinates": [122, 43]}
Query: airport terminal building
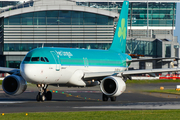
{"type": "Point", "coordinates": [90, 24]}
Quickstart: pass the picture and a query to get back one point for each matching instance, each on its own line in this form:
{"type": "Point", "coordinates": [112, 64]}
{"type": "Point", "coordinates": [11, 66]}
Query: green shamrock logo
{"type": "Point", "coordinates": [122, 30]}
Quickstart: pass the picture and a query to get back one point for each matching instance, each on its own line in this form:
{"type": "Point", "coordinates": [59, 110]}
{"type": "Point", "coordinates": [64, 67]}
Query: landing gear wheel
{"type": "Point", "coordinates": [43, 94]}
{"type": "Point", "coordinates": [105, 97]}
{"type": "Point", "coordinates": [48, 96]}
{"type": "Point", "coordinates": [113, 98]}
{"type": "Point", "coordinates": [38, 97]}
{"type": "Point", "coordinates": [42, 98]}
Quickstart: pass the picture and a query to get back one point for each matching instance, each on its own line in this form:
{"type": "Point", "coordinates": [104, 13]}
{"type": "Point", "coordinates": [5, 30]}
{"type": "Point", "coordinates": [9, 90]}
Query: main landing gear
{"type": "Point", "coordinates": [43, 93]}
{"type": "Point", "coordinates": [105, 98]}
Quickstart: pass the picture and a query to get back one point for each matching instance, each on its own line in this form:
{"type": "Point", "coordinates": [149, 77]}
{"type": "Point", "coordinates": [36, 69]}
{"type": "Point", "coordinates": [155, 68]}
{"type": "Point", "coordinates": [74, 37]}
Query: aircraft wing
{"type": "Point", "coordinates": [131, 72]}
{"type": "Point", "coordinates": [10, 70]}
{"type": "Point", "coordinates": [150, 59]}
{"type": "Point", "coordinates": [101, 75]}
{"type": "Point", "coordinates": [97, 75]}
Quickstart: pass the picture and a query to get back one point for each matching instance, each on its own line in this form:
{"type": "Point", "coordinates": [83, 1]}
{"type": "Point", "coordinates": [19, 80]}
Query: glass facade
{"type": "Point", "coordinates": [139, 47]}
{"type": "Point", "coordinates": [13, 64]}
{"type": "Point", "coordinates": [167, 50]}
{"type": "Point", "coordinates": [60, 28]}
{"type": "Point", "coordinates": [52, 18]}
{"type": "Point", "coordinates": [157, 14]}
{"type": "Point", "coordinates": [146, 48]}
{"type": "Point", "coordinates": [30, 46]}
{"type": "Point", "coordinates": [59, 18]}
{"type": "Point", "coordinates": [158, 46]}
{"type": "Point", "coordinates": [1, 35]}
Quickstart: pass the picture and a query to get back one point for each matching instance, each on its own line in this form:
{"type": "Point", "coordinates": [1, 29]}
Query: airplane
{"type": "Point", "coordinates": [77, 67]}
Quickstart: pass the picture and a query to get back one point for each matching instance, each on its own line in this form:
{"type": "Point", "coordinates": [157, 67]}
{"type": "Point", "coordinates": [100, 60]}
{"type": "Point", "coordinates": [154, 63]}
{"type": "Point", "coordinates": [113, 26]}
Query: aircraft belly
{"type": "Point", "coordinates": [44, 73]}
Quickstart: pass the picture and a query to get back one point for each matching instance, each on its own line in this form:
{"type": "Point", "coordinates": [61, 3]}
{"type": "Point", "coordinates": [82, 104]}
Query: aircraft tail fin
{"type": "Point", "coordinates": [119, 40]}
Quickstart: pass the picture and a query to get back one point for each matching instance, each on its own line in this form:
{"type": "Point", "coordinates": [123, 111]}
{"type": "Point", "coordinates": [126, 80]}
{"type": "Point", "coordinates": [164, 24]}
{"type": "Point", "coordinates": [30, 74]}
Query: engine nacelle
{"type": "Point", "coordinates": [14, 85]}
{"type": "Point", "coordinates": [112, 86]}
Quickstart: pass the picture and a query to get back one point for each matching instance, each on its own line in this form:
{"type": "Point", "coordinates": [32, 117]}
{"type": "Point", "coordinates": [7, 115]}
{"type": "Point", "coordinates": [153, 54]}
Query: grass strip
{"type": "Point", "coordinates": [165, 91]}
{"type": "Point", "coordinates": [97, 115]}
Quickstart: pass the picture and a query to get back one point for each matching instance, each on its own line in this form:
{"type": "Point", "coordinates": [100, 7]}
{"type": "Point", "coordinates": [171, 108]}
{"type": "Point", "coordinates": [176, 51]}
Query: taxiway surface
{"type": "Point", "coordinates": [85, 99]}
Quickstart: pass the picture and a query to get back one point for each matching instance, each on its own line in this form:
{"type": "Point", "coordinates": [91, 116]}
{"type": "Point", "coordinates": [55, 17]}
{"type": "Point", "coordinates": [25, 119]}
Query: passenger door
{"type": "Point", "coordinates": [57, 60]}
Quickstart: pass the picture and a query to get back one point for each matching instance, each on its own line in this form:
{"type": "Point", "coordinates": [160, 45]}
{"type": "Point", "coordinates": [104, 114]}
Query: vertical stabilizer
{"type": "Point", "coordinates": [119, 40]}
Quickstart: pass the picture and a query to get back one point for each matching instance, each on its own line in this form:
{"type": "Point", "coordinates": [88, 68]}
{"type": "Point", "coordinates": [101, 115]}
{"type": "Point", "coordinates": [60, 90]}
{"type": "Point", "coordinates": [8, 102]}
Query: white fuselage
{"type": "Point", "coordinates": [51, 74]}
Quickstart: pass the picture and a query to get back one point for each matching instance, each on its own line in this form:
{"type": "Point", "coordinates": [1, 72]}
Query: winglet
{"type": "Point", "coordinates": [119, 40]}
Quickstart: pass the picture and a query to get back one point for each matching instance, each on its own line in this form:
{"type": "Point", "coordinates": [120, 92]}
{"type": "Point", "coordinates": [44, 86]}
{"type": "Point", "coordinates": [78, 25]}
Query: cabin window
{"type": "Point", "coordinates": [46, 59]}
{"type": "Point", "coordinates": [42, 59]}
{"type": "Point", "coordinates": [27, 59]}
{"type": "Point", "coordinates": [35, 59]}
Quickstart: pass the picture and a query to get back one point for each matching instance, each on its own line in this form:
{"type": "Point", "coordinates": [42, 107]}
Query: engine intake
{"type": "Point", "coordinates": [112, 86]}
{"type": "Point", "coordinates": [14, 85]}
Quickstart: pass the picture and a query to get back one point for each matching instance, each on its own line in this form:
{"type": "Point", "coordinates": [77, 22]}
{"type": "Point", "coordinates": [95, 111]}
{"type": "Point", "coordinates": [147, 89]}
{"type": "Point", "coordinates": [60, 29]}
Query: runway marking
{"type": "Point", "coordinates": [11, 102]}
{"type": "Point", "coordinates": [77, 96]}
{"type": "Point", "coordinates": [1, 91]}
{"type": "Point", "coordinates": [67, 93]}
{"type": "Point", "coordinates": [84, 91]}
{"type": "Point", "coordinates": [137, 106]}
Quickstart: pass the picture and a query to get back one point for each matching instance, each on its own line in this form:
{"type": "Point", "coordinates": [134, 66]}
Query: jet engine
{"type": "Point", "coordinates": [112, 86]}
{"type": "Point", "coordinates": [14, 85]}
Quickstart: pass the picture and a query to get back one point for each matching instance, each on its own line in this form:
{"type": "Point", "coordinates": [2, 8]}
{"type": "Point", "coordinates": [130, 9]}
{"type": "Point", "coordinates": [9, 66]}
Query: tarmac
{"type": "Point", "coordinates": [90, 99]}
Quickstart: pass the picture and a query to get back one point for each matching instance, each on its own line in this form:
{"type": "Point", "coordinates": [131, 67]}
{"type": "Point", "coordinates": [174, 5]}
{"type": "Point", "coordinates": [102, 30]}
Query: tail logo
{"type": "Point", "coordinates": [122, 30]}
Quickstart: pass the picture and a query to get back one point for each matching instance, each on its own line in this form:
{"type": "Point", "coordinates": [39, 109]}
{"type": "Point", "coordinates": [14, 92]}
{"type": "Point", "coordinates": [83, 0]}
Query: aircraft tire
{"type": "Point", "coordinates": [42, 98]}
{"type": "Point", "coordinates": [105, 97]}
{"type": "Point", "coordinates": [48, 96]}
{"type": "Point", "coordinates": [38, 97]}
{"type": "Point", "coordinates": [113, 98]}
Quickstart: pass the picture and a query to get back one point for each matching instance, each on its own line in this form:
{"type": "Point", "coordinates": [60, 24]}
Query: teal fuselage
{"type": "Point", "coordinates": [79, 57]}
